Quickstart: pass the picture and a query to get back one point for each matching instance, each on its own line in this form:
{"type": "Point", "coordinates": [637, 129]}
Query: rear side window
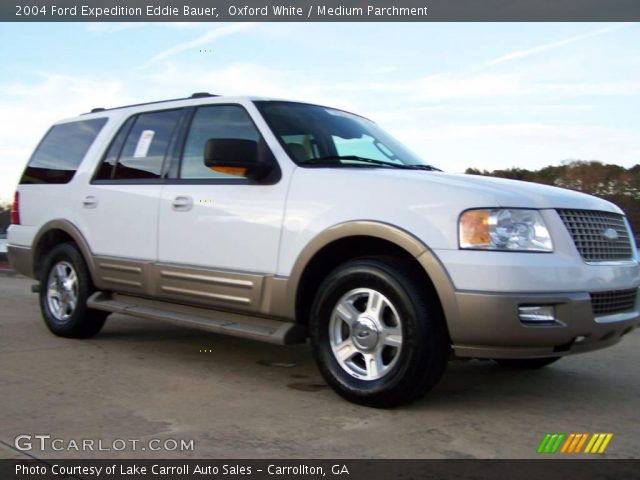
{"type": "Point", "coordinates": [60, 152]}
{"type": "Point", "coordinates": [140, 148]}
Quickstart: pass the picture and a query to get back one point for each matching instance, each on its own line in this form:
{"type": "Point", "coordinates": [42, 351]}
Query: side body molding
{"type": "Point", "coordinates": [106, 273]}
{"type": "Point", "coordinates": [284, 302]}
{"type": "Point", "coordinates": [269, 296]}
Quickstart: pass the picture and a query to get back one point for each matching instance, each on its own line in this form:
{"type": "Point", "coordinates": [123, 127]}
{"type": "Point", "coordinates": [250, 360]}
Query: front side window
{"type": "Point", "coordinates": [315, 135]}
{"type": "Point", "coordinates": [214, 122]}
{"type": "Point", "coordinates": [60, 152]}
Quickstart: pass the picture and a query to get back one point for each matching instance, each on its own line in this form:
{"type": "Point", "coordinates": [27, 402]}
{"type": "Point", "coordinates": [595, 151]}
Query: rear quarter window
{"type": "Point", "coordinates": [60, 152]}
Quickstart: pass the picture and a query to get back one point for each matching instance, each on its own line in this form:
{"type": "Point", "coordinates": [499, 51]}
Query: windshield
{"type": "Point", "coordinates": [322, 136]}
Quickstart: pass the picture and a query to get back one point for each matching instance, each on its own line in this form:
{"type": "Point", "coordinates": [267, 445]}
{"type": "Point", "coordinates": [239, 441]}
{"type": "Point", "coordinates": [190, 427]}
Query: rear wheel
{"type": "Point", "coordinates": [65, 286]}
{"type": "Point", "coordinates": [526, 363]}
{"type": "Point", "coordinates": [377, 335]}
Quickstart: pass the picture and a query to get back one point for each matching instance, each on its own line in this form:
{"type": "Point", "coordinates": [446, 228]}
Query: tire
{"type": "Point", "coordinates": [65, 286]}
{"type": "Point", "coordinates": [379, 357]}
{"type": "Point", "coordinates": [525, 363]}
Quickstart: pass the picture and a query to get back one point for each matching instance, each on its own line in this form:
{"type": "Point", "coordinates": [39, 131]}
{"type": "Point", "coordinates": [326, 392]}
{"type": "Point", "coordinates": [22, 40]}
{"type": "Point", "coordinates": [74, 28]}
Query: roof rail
{"type": "Point", "coordinates": [202, 95]}
{"type": "Point", "coordinates": [193, 96]}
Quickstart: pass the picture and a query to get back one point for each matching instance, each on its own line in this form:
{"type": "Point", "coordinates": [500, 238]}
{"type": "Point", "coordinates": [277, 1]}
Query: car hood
{"type": "Point", "coordinates": [493, 192]}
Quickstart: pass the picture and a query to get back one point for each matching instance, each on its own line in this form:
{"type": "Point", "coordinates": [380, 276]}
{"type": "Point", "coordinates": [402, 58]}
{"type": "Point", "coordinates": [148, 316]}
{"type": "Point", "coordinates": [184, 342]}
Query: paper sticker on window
{"type": "Point", "coordinates": [144, 143]}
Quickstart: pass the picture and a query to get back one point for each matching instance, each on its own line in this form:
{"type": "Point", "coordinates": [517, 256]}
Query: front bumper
{"type": "Point", "coordinates": [492, 328]}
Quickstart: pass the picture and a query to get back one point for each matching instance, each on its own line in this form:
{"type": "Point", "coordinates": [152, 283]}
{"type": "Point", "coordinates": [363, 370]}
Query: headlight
{"type": "Point", "coordinates": [504, 229]}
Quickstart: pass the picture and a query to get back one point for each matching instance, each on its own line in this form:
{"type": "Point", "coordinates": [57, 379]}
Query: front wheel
{"type": "Point", "coordinates": [65, 286]}
{"type": "Point", "coordinates": [377, 332]}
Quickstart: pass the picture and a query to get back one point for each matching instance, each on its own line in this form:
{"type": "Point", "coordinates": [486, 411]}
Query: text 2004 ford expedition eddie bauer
{"type": "Point", "coordinates": [279, 221]}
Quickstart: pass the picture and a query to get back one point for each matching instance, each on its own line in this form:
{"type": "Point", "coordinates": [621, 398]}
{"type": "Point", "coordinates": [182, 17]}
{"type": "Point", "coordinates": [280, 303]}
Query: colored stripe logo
{"type": "Point", "coordinates": [598, 443]}
{"type": "Point", "coordinates": [574, 443]}
{"type": "Point", "coordinates": [551, 442]}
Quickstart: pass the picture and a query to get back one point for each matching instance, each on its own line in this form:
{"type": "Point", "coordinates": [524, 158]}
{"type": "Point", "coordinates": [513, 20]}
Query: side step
{"type": "Point", "coordinates": [245, 326]}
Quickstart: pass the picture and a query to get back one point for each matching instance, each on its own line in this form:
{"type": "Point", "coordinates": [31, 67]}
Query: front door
{"type": "Point", "coordinates": [218, 233]}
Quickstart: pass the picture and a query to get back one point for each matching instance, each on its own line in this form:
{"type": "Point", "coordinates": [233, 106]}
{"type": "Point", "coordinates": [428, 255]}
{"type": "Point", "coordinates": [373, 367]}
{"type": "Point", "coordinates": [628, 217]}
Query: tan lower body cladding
{"type": "Point", "coordinates": [243, 292]}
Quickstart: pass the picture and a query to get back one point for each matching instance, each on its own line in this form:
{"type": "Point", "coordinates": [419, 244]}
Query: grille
{"type": "Point", "coordinates": [587, 227]}
{"type": "Point", "coordinates": [615, 301]}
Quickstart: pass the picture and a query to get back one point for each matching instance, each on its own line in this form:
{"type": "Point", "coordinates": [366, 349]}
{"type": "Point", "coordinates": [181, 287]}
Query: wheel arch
{"type": "Point", "coordinates": [54, 233]}
{"type": "Point", "coordinates": [349, 240]}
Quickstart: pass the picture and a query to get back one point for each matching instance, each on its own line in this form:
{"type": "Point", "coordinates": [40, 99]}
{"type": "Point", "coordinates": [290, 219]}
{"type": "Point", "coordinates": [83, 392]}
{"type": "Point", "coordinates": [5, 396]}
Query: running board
{"type": "Point", "coordinates": [238, 325]}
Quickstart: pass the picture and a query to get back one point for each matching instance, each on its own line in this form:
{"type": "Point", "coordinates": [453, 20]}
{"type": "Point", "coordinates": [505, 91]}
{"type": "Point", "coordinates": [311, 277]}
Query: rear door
{"type": "Point", "coordinates": [119, 207]}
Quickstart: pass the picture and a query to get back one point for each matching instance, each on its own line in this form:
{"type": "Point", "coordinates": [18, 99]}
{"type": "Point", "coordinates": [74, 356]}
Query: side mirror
{"type": "Point", "coordinates": [235, 157]}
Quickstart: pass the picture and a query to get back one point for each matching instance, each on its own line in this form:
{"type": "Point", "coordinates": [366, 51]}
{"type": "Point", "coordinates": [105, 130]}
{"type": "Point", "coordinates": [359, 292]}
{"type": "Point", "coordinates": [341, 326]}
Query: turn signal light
{"type": "Point", "coordinates": [474, 228]}
{"type": "Point", "coordinates": [237, 171]}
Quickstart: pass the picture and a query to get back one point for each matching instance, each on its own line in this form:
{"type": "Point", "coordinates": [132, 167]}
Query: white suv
{"type": "Point", "coordinates": [278, 221]}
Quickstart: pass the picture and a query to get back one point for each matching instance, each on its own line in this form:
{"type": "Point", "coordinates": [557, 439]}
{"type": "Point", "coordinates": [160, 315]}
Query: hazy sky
{"type": "Point", "coordinates": [486, 95]}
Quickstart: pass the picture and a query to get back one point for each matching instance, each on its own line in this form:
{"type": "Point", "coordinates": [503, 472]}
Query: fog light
{"type": "Point", "coordinates": [537, 314]}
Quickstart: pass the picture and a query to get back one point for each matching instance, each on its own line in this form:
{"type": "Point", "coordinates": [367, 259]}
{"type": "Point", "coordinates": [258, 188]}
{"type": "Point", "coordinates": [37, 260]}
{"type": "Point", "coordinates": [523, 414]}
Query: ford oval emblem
{"type": "Point", "coordinates": [610, 234]}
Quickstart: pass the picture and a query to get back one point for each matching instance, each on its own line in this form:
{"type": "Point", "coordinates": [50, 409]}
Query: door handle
{"type": "Point", "coordinates": [182, 203]}
{"type": "Point", "coordinates": [90, 202]}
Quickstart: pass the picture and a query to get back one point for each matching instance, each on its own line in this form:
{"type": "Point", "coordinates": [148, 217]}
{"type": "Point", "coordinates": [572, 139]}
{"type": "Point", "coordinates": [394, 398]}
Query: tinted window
{"type": "Point", "coordinates": [61, 150]}
{"type": "Point", "coordinates": [146, 145]}
{"type": "Point", "coordinates": [217, 122]}
{"type": "Point", "coordinates": [310, 133]}
{"type": "Point", "coordinates": [107, 166]}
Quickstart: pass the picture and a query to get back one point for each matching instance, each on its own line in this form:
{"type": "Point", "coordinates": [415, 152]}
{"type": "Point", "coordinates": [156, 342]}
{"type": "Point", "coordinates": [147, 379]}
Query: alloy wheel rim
{"type": "Point", "coordinates": [62, 291]}
{"type": "Point", "coordinates": [365, 333]}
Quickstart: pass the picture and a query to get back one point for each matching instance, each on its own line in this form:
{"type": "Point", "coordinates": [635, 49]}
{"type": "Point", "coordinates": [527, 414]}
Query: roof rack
{"type": "Point", "coordinates": [202, 95]}
{"type": "Point", "coordinates": [194, 95]}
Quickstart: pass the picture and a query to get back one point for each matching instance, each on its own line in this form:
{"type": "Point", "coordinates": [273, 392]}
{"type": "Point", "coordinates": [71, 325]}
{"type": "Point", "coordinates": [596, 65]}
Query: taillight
{"type": "Point", "coordinates": [15, 210]}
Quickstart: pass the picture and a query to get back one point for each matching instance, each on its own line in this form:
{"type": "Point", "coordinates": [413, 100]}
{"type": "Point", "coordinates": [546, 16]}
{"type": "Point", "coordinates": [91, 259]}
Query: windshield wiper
{"type": "Point", "coordinates": [330, 160]}
{"type": "Point", "coordinates": [429, 168]}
